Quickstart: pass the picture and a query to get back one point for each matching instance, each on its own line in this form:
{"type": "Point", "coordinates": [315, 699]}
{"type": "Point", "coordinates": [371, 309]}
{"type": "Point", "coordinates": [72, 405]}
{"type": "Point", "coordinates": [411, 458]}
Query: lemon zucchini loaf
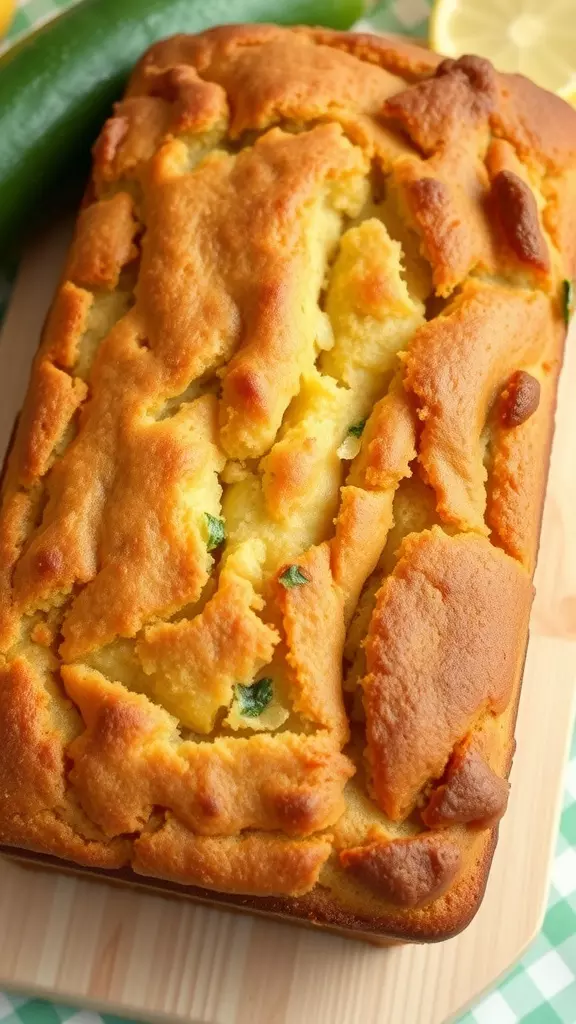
{"type": "Point", "coordinates": [271, 513]}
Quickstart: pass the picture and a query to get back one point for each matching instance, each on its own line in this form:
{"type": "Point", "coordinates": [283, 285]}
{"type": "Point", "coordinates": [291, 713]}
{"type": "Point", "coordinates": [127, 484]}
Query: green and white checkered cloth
{"type": "Point", "coordinates": [541, 989]}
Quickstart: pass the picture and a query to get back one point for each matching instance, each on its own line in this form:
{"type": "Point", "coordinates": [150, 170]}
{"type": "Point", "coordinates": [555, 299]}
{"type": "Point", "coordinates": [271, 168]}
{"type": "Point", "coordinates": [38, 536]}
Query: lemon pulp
{"type": "Point", "coordinates": [530, 37]}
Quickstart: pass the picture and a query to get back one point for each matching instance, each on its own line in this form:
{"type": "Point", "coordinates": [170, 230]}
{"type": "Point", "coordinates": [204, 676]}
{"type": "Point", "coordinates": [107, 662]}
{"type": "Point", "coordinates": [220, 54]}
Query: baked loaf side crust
{"type": "Point", "coordinates": [271, 514]}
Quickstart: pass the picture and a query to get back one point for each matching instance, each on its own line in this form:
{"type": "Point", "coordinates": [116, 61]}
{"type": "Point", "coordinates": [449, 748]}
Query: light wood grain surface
{"type": "Point", "coordinates": [146, 956]}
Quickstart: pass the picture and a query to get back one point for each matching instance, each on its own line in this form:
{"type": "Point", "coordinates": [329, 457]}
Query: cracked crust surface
{"type": "Point", "coordinates": [287, 429]}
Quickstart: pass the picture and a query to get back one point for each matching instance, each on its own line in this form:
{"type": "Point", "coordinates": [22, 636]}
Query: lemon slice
{"type": "Point", "coordinates": [536, 38]}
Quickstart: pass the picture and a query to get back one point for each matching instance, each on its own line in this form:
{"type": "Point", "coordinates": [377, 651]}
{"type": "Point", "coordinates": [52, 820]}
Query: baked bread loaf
{"type": "Point", "coordinates": [272, 509]}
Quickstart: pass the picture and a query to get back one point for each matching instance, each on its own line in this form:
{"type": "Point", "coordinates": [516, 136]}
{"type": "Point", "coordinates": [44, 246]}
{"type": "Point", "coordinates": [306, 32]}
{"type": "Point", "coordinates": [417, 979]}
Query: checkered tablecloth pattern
{"type": "Point", "coordinates": [541, 989]}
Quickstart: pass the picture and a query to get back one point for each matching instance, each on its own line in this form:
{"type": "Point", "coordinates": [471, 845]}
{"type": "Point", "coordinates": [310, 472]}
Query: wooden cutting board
{"type": "Point", "coordinates": [143, 955]}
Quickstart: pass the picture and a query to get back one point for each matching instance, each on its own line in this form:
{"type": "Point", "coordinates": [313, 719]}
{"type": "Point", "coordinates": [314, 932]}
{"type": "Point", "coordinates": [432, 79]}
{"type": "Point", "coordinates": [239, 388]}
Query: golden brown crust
{"type": "Point", "coordinates": [52, 400]}
{"type": "Point", "coordinates": [31, 750]}
{"type": "Point", "coordinates": [456, 101]}
{"type": "Point", "coordinates": [439, 654]}
{"type": "Point", "coordinates": [196, 105]}
{"type": "Point", "coordinates": [539, 125]}
{"type": "Point", "coordinates": [519, 468]}
{"type": "Point", "coordinates": [444, 200]}
{"type": "Point", "coordinates": [395, 55]}
{"type": "Point", "coordinates": [130, 138]}
{"type": "Point", "coordinates": [103, 243]}
{"type": "Point", "coordinates": [66, 324]}
{"type": "Point", "coordinates": [216, 465]}
{"type": "Point", "coordinates": [35, 809]}
{"type": "Point", "coordinates": [309, 613]}
{"type": "Point", "coordinates": [129, 760]}
{"type": "Point", "coordinates": [194, 664]}
{"type": "Point", "coordinates": [366, 502]}
{"type": "Point", "coordinates": [363, 523]}
{"type": "Point", "coordinates": [300, 82]}
{"type": "Point", "coordinates": [488, 332]}
{"type": "Point", "coordinates": [388, 443]}
{"type": "Point", "coordinates": [249, 863]}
